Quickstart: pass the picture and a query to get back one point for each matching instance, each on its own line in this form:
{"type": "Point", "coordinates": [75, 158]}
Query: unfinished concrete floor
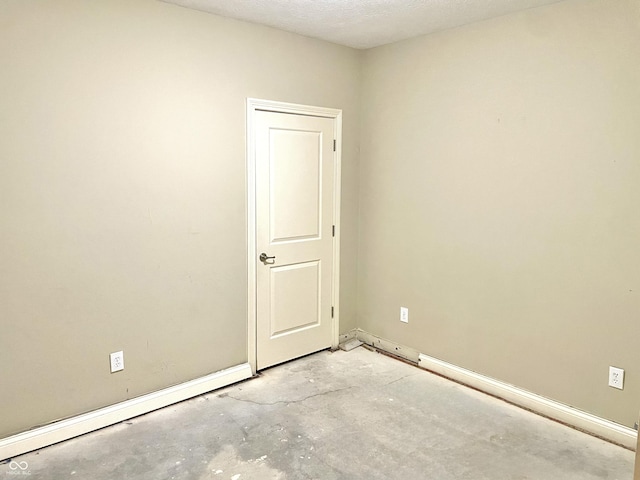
{"type": "Point", "coordinates": [342, 415]}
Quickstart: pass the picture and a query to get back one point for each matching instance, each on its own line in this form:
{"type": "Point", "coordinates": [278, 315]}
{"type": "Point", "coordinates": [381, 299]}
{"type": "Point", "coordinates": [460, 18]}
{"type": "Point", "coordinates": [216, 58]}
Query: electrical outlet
{"type": "Point", "coordinates": [616, 377]}
{"type": "Point", "coordinates": [117, 361]}
{"type": "Point", "coordinates": [404, 314]}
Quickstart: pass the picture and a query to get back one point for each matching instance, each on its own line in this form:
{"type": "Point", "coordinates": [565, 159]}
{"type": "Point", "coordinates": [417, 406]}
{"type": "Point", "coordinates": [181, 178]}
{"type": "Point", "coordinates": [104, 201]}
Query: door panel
{"type": "Point", "coordinates": [295, 182]}
{"type": "Point", "coordinates": [295, 290]}
{"type": "Point", "coordinates": [295, 167]}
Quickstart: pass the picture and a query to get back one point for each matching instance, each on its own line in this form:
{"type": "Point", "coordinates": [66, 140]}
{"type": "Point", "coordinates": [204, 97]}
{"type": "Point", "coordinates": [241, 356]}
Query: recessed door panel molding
{"type": "Point", "coordinates": [295, 293]}
{"type": "Point", "coordinates": [293, 162]}
{"type": "Point", "coordinates": [295, 175]}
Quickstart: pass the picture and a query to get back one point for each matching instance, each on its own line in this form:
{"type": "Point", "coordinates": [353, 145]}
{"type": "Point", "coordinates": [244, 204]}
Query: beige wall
{"type": "Point", "coordinates": [500, 196]}
{"type": "Point", "coordinates": [122, 193]}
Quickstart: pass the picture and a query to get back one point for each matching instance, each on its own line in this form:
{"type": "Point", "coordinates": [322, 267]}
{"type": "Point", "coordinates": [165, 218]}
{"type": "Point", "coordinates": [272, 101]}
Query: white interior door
{"type": "Point", "coordinates": [295, 166]}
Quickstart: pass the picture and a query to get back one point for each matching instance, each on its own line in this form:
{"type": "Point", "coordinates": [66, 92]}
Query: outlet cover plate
{"type": "Point", "coordinates": [117, 361]}
{"type": "Point", "coordinates": [616, 377]}
{"type": "Point", "coordinates": [404, 314]}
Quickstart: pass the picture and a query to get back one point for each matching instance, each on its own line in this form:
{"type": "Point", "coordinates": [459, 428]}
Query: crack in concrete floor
{"type": "Point", "coordinates": [300, 400]}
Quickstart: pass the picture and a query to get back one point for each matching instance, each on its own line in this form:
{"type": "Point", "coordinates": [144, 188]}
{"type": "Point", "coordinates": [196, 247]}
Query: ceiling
{"type": "Point", "coordinates": [361, 23]}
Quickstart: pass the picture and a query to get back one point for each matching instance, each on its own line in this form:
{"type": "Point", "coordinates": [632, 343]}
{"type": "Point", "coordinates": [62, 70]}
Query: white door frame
{"type": "Point", "coordinates": [253, 105]}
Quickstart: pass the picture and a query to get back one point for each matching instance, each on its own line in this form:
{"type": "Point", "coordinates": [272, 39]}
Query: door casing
{"type": "Point", "coordinates": [253, 105]}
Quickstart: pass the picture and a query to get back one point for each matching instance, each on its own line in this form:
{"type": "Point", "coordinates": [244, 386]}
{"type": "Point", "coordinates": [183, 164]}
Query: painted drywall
{"type": "Point", "coordinates": [122, 193]}
{"type": "Point", "coordinates": [500, 173]}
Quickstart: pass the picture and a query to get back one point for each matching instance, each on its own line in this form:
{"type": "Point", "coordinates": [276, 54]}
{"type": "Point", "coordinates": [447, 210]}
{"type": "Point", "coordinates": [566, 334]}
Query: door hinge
{"type": "Point", "coordinates": [334, 144]}
{"type": "Point", "coordinates": [333, 230]}
{"type": "Point", "coordinates": [331, 312]}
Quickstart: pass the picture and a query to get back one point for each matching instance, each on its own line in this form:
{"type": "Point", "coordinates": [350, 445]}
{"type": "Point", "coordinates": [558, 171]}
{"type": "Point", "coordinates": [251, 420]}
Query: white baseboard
{"type": "Point", "coordinates": [611, 431]}
{"type": "Point", "coordinates": [88, 422]}
{"type": "Point", "coordinates": [600, 427]}
{"type": "Point", "coordinates": [393, 348]}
